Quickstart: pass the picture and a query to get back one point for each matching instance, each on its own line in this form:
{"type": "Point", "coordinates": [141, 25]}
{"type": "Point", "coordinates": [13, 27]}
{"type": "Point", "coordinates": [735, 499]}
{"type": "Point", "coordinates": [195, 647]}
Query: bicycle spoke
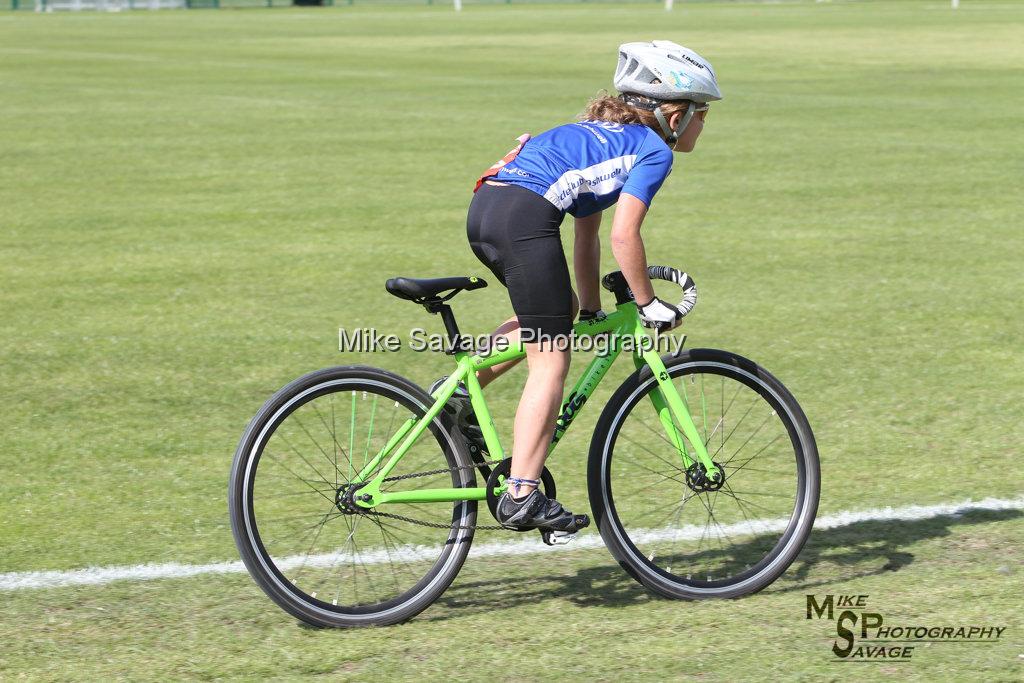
{"type": "Point", "coordinates": [659, 434]}
{"type": "Point", "coordinates": [721, 420]}
{"type": "Point", "coordinates": [334, 439]}
{"type": "Point", "coordinates": [768, 495]}
{"type": "Point", "coordinates": [287, 533]}
{"type": "Point", "coordinates": [315, 442]}
{"type": "Point", "coordinates": [709, 506]}
{"type": "Point", "coordinates": [677, 468]}
{"type": "Point", "coordinates": [707, 439]}
{"type": "Point", "coordinates": [737, 425]}
{"type": "Point", "coordinates": [334, 561]}
{"type": "Point", "coordinates": [369, 575]}
{"type": "Point", "coordinates": [687, 495]}
{"type": "Point", "coordinates": [303, 458]}
{"type": "Point", "coordinates": [759, 470]}
{"type": "Point", "coordinates": [750, 438]}
{"type": "Point", "coordinates": [333, 431]}
{"type": "Point", "coordinates": [704, 407]}
{"type": "Point", "coordinates": [742, 504]}
{"type": "Point", "coordinates": [319, 529]}
{"type": "Point", "coordinates": [388, 545]}
{"type": "Point", "coordinates": [274, 458]}
{"type": "Point", "coordinates": [679, 481]}
{"type": "Point", "coordinates": [725, 411]}
{"type": "Point", "coordinates": [296, 493]}
{"type": "Point", "coordinates": [352, 431]}
{"type": "Point", "coordinates": [743, 464]}
{"type": "Point", "coordinates": [355, 575]}
{"type": "Point", "coordinates": [739, 503]}
{"type": "Point", "coordinates": [369, 431]}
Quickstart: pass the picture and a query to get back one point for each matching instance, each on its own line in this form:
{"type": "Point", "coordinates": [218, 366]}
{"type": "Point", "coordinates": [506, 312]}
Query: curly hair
{"type": "Point", "coordinates": [605, 107]}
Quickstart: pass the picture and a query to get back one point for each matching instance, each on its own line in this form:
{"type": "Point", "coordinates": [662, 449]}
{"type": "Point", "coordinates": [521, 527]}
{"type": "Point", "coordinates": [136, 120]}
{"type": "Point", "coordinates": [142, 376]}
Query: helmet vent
{"type": "Point", "coordinates": [644, 75]}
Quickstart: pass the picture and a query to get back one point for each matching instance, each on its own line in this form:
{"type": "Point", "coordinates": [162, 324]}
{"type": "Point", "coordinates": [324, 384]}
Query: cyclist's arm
{"type": "Point", "coordinates": [628, 247]}
{"type": "Point", "coordinates": [587, 261]}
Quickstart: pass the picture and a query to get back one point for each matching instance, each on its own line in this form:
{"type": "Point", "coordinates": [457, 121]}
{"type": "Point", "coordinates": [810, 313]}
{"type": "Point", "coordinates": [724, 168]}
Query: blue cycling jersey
{"type": "Point", "coordinates": [582, 168]}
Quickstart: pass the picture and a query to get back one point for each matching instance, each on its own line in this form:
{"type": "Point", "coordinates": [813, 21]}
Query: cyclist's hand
{"type": "Point", "coordinates": [659, 315]}
{"type": "Point", "coordinates": [591, 315]}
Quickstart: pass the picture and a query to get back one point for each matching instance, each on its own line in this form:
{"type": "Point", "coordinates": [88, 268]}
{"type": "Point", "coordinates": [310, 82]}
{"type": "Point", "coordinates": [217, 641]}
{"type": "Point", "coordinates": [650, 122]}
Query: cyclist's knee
{"type": "Point", "coordinates": [551, 364]}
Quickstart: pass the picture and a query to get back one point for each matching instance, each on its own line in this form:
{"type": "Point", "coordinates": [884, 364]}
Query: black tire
{"type": "Point", "coordinates": [296, 480]}
{"type": "Point", "coordinates": [765, 547]}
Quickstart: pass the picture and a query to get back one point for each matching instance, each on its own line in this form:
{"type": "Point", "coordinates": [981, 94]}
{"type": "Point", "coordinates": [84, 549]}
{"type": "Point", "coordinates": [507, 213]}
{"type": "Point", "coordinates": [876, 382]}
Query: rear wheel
{"type": "Point", "coordinates": [316, 554]}
{"type": "Point", "coordinates": [676, 532]}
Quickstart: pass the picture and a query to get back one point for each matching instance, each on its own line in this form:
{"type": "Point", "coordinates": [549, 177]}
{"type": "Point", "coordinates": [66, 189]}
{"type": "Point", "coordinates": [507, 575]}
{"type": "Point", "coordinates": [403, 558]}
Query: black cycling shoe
{"type": "Point", "coordinates": [462, 411]}
{"type": "Point", "coordinates": [537, 511]}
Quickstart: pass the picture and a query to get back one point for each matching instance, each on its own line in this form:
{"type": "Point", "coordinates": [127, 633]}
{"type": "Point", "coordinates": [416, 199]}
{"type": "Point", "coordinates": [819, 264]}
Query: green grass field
{"type": "Point", "coordinates": [192, 204]}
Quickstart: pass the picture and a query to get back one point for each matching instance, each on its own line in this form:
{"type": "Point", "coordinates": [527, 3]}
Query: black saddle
{"type": "Point", "coordinates": [422, 290]}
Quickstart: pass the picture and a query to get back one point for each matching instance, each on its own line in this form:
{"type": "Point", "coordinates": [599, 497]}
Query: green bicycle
{"type": "Point", "coordinates": [354, 494]}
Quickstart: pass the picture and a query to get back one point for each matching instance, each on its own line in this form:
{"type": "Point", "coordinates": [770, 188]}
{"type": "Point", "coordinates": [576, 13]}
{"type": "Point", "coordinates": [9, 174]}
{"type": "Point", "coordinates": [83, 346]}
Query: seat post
{"type": "Point", "coordinates": [451, 328]}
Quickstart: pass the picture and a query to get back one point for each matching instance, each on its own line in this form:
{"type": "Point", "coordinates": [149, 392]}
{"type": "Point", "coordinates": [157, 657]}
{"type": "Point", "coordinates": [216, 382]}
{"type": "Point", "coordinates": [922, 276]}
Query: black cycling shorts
{"type": "Point", "coordinates": [515, 233]}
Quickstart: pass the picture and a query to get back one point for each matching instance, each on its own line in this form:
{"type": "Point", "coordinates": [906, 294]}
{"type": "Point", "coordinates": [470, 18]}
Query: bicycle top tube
{"type": "Point", "coordinates": [621, 322]}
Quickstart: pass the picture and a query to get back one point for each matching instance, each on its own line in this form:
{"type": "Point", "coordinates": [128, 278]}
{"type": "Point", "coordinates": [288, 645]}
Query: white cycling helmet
{"type": "Point", "coordinates": [662, 71]}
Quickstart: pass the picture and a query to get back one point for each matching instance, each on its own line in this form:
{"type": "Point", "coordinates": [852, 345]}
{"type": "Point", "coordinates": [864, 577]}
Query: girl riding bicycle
{"type": "Point", "coordinates": [351, 473]}
{"type": "Point", "coordinates": [620, 152]}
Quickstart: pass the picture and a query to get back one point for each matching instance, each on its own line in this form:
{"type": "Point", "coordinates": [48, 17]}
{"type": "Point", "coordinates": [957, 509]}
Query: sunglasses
{"type": "Point", "coordinates": [702, 111]}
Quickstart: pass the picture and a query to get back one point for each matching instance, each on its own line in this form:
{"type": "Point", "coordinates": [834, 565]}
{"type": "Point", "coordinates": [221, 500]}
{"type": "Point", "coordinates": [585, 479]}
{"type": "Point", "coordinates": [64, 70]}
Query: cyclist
{"type": "Point", "coordinates": [620, 151]}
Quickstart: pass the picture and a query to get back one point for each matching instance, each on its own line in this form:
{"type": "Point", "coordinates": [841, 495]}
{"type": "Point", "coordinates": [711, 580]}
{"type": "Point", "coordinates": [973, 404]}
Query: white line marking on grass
{"type": "Point", "coordinates": [91, 576]}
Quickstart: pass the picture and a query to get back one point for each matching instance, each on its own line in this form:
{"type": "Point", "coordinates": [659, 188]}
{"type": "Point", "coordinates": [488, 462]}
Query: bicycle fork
{"type": "Point", "coordinates": [669, 404]}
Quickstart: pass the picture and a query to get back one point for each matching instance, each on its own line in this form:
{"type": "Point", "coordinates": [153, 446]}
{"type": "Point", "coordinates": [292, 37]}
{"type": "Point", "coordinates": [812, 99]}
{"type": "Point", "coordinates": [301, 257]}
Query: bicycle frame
{"type": "Point", "coordinates": [621, 324]}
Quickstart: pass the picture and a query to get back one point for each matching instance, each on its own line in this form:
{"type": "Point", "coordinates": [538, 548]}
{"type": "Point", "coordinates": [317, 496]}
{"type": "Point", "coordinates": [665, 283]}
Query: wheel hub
{"type": "Point", "coordinates": [698, 480]}
{"type": "Point", "coordinates": [345, 499]}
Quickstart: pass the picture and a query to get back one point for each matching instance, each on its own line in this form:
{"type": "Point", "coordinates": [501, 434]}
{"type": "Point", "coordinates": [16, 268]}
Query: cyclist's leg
{"type": "Point", "coordinates": [537, 411]}
{"type": "Point", "coordinates": [540, 288]}
{"type": "Point", "coordinates": [510, 331]}
{"type": "Point", "coordinates": [541, 295]}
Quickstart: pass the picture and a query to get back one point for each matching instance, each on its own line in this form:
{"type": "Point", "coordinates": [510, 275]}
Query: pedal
{"type": "Point", "coordinates": [553, 537]}
{"type": "Point", "coordinates": [557, 537]}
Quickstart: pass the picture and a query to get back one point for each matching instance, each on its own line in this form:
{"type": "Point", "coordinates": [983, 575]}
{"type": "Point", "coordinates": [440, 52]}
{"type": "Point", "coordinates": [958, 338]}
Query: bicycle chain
{"type": "Point", "coordinates": [436, 525]}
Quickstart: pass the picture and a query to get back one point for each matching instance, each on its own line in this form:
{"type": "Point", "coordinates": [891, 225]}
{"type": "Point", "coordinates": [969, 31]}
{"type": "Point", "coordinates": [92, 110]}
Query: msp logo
{"type": "Point", "coordinates": [865, 635]}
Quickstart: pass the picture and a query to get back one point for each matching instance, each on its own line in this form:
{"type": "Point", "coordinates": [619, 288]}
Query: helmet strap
{"type": "Point", "coordinates": [671, 136]}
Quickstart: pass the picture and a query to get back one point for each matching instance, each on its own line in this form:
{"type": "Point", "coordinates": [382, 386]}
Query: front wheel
{"type": "Point", "coordinates": [672, 530]}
